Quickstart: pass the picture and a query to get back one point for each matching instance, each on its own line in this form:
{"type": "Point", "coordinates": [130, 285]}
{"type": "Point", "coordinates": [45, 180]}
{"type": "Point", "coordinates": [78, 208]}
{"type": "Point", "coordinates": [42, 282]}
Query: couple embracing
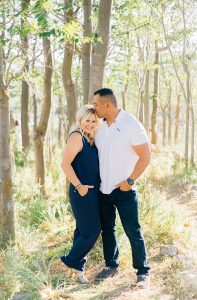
{"type": "Point", "coordinates": [102, 163]}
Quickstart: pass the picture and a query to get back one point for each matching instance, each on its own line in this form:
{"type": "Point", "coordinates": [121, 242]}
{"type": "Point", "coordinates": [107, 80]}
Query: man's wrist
{"type": "Point", "coordinates": [130, 181]}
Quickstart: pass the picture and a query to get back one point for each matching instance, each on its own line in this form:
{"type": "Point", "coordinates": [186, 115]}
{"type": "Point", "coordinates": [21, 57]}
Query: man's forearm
{"type": "Point", "coordinates": [140, 167]}
{"type": "Point", "coordinates": [144, 154]}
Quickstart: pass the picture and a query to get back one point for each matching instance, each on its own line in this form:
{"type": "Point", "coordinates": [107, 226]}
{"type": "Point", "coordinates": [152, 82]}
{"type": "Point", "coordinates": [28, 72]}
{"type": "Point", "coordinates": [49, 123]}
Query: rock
{"type": "Point", "coordinates": [23, 296]}
{"type": "Point", "coordinates": [169, 250]}
{"type": "Point", "coordinates": [190, 278]}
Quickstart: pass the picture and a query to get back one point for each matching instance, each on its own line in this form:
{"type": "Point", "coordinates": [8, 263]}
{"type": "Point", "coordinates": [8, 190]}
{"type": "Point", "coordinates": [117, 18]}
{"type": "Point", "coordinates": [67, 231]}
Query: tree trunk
{"type": "Point", "coordinates": [44, 117]}
{"type": "Point", "coordinates": [69, 87]}
{"type": "Point", "coordinates": [164, 127]}
{"type": "Point", "coordinates": [192, 135]}
{"type": "Point", "coordinates": [35, 112]}
{"type": "Point", "coordinates": [25, 86]}
{"type": "Point", "coordinates": [155, 97]}
{"type": "Point", "coordinates": [169, 116]}
{"type": "Point", "coordinates": [86, 50]}
{"type": "Point", "coordinates": [60, 121]}
{"type": "Point", "coordinates": [101, 48]}
{"type": "Point", "coordinates": [186, 155]}
{"type": "Point", "coordinates": [123, 99]}
{"type": "Point", "coordinates": [141, 107]}
{"type": "Point", "coordinates": [187, 121]}
{"type": "Point", "coordinates": [6, 192]}
{"type": "Point", "coordinates": [128, 71]}
{"type": "Point", "coordinates": [146, 101]}
{"type": "Point", "coordinates": [13, 122]}
{"type": "Point", "coordinates": [24, 109]}
{"type": "Point", "coordinates": [177, 115]}
{"type": "Point", "coordinates": [67, 72]}
{"type": "Point", "coordinates": [186, 92]}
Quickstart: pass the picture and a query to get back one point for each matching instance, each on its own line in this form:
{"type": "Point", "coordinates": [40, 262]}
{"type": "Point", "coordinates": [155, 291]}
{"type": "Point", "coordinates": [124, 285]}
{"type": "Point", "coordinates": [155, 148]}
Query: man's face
{"type": "Point", "coordinates": [101, 106]}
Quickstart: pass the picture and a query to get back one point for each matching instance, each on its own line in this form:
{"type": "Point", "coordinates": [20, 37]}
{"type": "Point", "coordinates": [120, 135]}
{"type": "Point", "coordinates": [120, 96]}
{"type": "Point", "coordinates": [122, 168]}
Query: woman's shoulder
{"type": "Point", "coordinates": [74, 136]}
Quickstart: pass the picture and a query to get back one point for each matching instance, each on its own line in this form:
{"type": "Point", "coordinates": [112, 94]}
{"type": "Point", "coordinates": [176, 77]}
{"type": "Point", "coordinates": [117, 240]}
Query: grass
{"type": "Point", "coordinates": [44, 229]}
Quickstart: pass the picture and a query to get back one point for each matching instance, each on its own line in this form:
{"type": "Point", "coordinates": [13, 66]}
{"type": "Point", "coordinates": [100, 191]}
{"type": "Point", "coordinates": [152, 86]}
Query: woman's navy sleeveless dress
{"type": "Point", "coordinates": [86, 208]}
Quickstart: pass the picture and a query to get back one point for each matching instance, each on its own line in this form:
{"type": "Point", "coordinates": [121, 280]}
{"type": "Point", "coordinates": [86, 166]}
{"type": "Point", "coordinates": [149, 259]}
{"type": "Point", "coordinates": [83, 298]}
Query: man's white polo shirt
{"type": "Point", "coordinates": [116, 155]}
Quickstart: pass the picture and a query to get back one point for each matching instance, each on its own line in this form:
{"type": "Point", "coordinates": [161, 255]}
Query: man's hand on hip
{"type": "Point", "coordinates": [124, 186]}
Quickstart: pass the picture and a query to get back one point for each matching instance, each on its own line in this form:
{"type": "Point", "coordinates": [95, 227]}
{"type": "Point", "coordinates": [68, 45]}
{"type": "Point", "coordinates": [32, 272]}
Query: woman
{"type": "Point", "coordinates": [81, 166]}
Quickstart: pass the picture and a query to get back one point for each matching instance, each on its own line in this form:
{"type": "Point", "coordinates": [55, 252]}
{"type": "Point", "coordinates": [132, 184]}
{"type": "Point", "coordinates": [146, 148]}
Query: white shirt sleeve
{"type": "Point", "coordinates": [138, 133]}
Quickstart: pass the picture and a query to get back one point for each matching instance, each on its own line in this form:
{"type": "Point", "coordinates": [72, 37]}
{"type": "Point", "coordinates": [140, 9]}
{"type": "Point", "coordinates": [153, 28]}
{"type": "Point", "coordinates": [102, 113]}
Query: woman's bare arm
{"type": "Point", "coordinates": [73, 147]}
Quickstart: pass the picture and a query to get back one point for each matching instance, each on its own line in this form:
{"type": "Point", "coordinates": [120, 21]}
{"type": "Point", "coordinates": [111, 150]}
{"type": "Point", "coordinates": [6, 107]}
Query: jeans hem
{"type": "Point", "coordinates": [64, 260]}
{"type": "Point", "coordinates": [116, 265]}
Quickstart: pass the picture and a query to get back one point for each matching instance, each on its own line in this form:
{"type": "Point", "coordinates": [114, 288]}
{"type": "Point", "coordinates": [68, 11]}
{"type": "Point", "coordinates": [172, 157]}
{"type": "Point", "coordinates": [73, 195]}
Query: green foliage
{"type": "Point", "coordinates": [2, 42]}
{"type": "Point", "coordinates": [47, 34]}
{"type": "Point", "coordinates": [17, 271]}
{"type": "Point", "coordinates": [157, 220]}
{"type": "Point", "coordinates": [71, 29]}
{"type": "Point", "coordinates": [36, 211]}
{"type": "Point", "coordinates": [40, 11]}
{"type": "Point", "coordinates": [187, 175]}
{"type": "Point", "coordinates": [19, 158]}
{"type": "Point", "coordinates": [57, 251]}
{"type": "Point", "coordinates": [65, 8]}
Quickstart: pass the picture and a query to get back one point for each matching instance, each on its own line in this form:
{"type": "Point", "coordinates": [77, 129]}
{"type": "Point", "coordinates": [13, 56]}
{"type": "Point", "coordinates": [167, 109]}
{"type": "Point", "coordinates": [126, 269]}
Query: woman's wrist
{"type": "Point", "coordinates": [78, 186]}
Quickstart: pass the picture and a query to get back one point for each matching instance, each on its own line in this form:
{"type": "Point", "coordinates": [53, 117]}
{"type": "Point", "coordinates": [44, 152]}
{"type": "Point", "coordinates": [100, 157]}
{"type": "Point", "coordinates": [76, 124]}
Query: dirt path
{"type": "Point", "coordinates": [120, 287]}
{"type": "Point", "coordinates": [185, 196]}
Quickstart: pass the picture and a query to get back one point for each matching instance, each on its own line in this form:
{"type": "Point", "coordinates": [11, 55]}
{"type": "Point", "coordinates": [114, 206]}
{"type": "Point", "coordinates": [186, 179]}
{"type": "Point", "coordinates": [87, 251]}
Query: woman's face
{"type": "Point", "coordinates": [89, 125]}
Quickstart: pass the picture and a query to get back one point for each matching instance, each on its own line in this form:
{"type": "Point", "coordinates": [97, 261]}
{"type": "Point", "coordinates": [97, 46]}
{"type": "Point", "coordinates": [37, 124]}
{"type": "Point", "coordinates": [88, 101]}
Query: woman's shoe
{"type": "Point", "coordinates": [82, 278]}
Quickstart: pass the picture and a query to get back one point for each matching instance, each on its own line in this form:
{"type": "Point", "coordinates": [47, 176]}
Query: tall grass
{"type": "Point", "coordinates": [44, 227]}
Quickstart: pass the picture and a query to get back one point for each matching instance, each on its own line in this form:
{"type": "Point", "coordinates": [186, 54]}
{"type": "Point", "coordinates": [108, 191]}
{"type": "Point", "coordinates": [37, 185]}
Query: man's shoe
{"type": "Point", "coordinates": [106, 273]}
{"type": "Point", "coordinates": [143, 281]}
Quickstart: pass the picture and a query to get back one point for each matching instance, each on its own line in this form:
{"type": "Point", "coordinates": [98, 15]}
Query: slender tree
{"type": "Point", "coordinates": [68, 84]}
{"type": "Point", "coordinates": [141, 107]}
{"type": "Point", "coordinates": [6, 192]}
{"type": "Point", "coordinates": [25, 86]}
{"type": "Point", "coordinates": [100, 50]}
{"type": "Point", "coordinates": [146, 101]}
{"type": "Point", "coordinates": [184, 60]}
{"type": "Point", "coordinates": [155, 97]}
{"type": "Point", "coordinates": [169, 113]}
{"type": "Point", "coordinates": [60, 125]}
{"type": "Point", "coordinates": [86, 49]}
{"type": "Point", "coordinates": [40, 133]}
{"type": "Point", "coordinates": [35, 109]}
{"type": "Point", "coordinates": [177, 116]}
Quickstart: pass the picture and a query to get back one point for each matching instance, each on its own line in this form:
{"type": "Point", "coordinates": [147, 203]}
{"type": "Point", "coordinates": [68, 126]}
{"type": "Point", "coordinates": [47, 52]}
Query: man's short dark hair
{"type": "Point", "coordinates": [108, 93]}
{"type": "Point", "coordinates": [104, 92]}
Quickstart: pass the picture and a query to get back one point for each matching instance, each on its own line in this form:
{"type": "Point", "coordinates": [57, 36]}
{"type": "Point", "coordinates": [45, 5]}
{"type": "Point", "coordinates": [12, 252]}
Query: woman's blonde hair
{"type": "Point", "coordinates": [81, 116]}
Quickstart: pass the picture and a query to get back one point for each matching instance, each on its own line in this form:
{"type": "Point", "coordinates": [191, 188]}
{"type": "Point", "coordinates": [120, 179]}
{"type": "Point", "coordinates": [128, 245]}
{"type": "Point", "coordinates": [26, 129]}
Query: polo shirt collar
{"type": "Point", "coordinates": [118, 117]}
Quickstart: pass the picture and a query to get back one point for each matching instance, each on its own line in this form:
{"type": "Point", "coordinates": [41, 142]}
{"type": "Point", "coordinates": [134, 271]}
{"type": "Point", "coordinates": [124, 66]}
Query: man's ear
{"type": "Point", "coordinates": [108, 104]}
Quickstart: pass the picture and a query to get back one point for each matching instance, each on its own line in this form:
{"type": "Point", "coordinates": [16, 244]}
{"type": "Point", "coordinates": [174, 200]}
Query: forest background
{"type": "Point", "coordinates": [53, 56]}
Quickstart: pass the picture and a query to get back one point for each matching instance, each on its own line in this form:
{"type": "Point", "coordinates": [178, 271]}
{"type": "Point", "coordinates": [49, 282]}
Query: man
{"type": "Point", "coordinates": [124, 154]}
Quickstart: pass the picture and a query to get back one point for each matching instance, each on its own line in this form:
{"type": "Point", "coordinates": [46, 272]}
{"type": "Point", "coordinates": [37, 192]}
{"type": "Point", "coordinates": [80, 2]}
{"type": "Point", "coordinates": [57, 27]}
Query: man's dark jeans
{"type": "Point", "coordinates": [127, 206]}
